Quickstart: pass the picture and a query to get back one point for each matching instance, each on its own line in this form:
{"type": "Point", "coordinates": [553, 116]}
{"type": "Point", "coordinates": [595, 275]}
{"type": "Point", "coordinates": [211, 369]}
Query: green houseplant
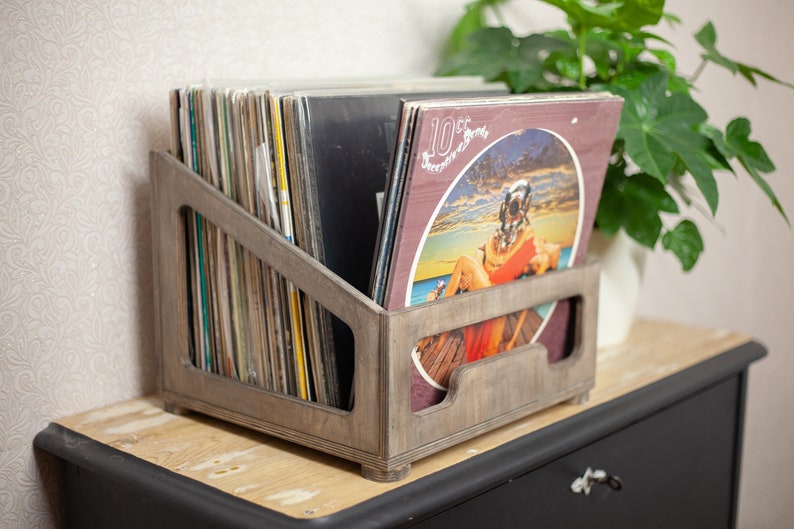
{"type": "Point", "coordinates": [666, 152]}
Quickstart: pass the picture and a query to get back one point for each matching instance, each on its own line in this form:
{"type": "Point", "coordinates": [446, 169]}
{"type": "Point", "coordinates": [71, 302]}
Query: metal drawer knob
{"type": "Point", "coordinates": [591, 478]}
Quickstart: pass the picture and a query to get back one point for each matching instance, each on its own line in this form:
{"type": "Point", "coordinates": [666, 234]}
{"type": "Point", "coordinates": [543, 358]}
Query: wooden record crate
{"type": "Point", "coordinates": [380, 432]}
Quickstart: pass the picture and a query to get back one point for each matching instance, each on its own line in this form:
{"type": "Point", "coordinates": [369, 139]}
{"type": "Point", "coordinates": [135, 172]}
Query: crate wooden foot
{"type": "Point", "coordinates": [580, 400]}
{"type": "Point", "coordinates": [385, 476]}
{"type": "Point", "coordinates": [176, 409]}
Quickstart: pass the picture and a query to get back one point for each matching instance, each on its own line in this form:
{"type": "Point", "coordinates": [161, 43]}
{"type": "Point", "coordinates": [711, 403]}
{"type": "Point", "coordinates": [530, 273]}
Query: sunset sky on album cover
{"type": "Point", "coordinates": [470, 211]}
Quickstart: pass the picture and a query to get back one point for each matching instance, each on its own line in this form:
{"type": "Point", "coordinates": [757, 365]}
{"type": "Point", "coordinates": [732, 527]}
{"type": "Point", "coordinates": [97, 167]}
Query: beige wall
{"type": "Point", "coordinates": [83, 89]}
{"type": "Point", "coordinates": [745, 280]}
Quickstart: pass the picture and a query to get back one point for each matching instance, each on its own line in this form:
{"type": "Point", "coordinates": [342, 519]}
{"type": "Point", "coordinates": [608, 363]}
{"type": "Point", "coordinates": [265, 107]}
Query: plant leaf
{"type": "Point", "coordinates": [525, 71]}
{"type": "Point", "coordinates": [633, 203]}
{"type": "Point", "coordinates": [472, 20]}
{"type": "Point", "coordinates": [685, 242]}
{"type": "Point", "coordinates": [707, 38]}
{"type": "Point", "coordinates": [603, 51]}
{"type": "Point", "coordinates": [638, 13]}
{"type": "Point", "coordinates": [583, 15]}
{"type": "Point", "coordinates": [671, 18]}
{"type": "Point", "coordinates": [752, 156]}
{"type": "Point", "coordinates": [737, 139]}
{"type": "Point", "coordinates": [697, 163]}
{"type": "Point", "coordinates": [659, 128]}
{"type": "Point", "coordinates": [618, 16]}
{"type": "Point", "coordinates": [495, 53]}
{"type": "Point", "coordinates": [487, 52]}
{"type": "Point", "coordinates": [719, 152]}
{"type": "Point", "coordinates": [666, 58]}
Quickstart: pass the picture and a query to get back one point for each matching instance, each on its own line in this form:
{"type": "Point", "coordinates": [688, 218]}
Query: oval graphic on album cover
{"type": "Point", "coordinates": [515, 211]}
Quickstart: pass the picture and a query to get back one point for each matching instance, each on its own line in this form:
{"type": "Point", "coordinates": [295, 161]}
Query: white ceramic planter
{"type": "Point", "coordinates": [622, 263]}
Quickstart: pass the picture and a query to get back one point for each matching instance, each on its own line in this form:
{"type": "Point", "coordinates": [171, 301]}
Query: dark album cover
{"type": "Point", "coordinates": [341, 145]}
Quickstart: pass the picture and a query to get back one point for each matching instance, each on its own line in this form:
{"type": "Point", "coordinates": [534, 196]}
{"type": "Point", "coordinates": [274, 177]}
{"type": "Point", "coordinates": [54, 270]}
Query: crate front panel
{"type": "Point", "coordinates": [380, 430]}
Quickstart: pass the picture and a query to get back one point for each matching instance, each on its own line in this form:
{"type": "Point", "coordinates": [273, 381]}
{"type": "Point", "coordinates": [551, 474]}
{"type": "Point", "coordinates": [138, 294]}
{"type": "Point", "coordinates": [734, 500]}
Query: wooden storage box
{"type": "Point", "coordinates": [380, 432]}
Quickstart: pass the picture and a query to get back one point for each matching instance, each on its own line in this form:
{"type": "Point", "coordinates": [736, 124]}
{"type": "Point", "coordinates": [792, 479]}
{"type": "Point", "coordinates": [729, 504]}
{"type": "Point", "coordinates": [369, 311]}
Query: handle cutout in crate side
{"type": "Point", "coordinates": [434, 358]}
{"type": "Point", "coordinates": [517, 375]}
{"type": "Point", "coordinates": [498, 378]}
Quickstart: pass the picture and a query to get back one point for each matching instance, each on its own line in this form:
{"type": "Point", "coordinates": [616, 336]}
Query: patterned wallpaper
{"type": "Point", "coordinates": [83, 98]}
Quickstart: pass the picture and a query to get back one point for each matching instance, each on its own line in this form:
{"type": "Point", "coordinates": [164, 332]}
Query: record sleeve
{"type": "Point", "coordinates": [340, 143]}
{"type": "Point", "coordinates": [495, 190]}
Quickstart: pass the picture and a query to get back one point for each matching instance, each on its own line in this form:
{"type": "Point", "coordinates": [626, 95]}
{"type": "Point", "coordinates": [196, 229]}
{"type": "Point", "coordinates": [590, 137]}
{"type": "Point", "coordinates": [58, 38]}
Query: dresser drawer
{"type": "Point", "coordinates": [678, 468]}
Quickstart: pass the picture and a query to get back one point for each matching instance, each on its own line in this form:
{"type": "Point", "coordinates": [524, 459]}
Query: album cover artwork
{"type": "Point", "coordinates": [495, 190]}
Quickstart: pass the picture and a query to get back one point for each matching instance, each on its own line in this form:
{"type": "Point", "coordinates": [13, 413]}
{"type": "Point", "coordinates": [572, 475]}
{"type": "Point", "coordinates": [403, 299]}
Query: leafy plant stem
{"type": "Point", "coordinates": [498, 14]}
{"type": "Point", "coordinates": [696, 75]}
{"type": "Point", "coordinates": [582, 40]}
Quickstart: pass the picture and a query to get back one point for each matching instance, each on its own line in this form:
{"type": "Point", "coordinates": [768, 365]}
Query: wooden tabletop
{"type": "Point", "coordinates": [302, 483]}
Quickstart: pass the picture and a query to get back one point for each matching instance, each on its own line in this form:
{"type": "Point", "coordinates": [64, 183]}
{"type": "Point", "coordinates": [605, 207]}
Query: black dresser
{"type": "Point", "coordinates": [658, 444]}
